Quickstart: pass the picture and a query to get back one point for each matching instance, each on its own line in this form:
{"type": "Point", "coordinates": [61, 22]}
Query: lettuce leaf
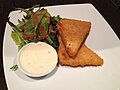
{"type": "Point", "coordinates": [16, 38]}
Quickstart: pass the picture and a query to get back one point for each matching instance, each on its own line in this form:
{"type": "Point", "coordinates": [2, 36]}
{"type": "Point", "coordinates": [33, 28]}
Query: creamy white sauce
{"type": "Point", "coordinates": [38, 58]}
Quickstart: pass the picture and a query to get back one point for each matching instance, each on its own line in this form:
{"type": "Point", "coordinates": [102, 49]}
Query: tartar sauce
{"type": "Point", "coordinates": [38, 58]}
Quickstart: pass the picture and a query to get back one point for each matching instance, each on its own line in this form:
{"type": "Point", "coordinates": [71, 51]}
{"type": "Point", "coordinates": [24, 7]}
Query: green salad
{"type": "Point", "coordinates": [35, 26]}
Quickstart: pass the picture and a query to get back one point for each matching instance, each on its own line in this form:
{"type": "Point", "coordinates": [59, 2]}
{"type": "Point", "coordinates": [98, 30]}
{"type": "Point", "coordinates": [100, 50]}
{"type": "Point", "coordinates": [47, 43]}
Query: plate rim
{"type": "Point", "coordinates": [4, 69]}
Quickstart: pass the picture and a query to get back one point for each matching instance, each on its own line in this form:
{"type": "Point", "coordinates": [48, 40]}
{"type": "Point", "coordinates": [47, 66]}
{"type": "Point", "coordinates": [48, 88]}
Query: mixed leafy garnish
{"type": "Point", "coordinates": [35, 26]}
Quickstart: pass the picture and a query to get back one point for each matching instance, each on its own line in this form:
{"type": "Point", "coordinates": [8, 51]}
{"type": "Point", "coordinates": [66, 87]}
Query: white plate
{"type": "Point", "coordinates": [101, 39]}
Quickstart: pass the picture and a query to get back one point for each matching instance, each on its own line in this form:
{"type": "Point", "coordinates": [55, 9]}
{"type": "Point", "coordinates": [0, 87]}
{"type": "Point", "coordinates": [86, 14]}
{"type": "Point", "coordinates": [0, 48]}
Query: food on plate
{"type": "Point", "coordinates": [35, 26]}
{"type": "Point", "coordinates": [40, 26]}
{"type": "Point", "coordinates": [33, 59]}
{"type": "Point", "coordinates": [73, 33]}
{"type": "Point", "coordinates": [72, 50]}
{"type": "Point", "coordinates": [84, 57]}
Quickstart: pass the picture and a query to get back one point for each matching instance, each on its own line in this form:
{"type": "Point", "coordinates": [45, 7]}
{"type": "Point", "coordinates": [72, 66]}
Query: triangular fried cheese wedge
{"type": "Point", "coordinates": [85, 56]}
{"type": "Point", "coordinates": [73, 33]}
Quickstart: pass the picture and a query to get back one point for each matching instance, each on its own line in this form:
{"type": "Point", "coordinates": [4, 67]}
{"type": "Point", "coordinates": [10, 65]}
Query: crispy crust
{"type": "Point", "coordinates": [85, 56]}
{"type": "Point", "coordinates": [73, 33]}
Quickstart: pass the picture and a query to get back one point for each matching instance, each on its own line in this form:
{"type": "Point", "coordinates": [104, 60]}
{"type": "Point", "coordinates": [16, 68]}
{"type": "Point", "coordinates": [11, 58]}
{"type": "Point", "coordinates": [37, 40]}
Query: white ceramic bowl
{"type": "Point", "coordinates": [37, 59]}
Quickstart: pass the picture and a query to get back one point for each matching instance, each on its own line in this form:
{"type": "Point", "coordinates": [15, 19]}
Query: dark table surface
{"type": "Point", "coordinates": [109, 11]}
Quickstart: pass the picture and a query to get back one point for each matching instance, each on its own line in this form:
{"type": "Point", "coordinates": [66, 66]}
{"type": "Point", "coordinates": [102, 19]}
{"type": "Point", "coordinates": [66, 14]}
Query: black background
{"type": "Point", "coordinates": [108, 10]}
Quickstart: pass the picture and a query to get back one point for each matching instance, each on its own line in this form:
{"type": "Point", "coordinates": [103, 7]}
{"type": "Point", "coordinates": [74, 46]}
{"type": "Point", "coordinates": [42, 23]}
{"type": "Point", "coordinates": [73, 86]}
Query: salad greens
{"type": "Point", "coordinates": [35, 26]}
{"type": "Point", "coordinates": [14, 68]}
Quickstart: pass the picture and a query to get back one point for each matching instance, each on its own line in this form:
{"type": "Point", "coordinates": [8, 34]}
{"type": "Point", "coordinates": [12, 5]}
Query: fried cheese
{"type": "Point", "coordinates": [73, 33]}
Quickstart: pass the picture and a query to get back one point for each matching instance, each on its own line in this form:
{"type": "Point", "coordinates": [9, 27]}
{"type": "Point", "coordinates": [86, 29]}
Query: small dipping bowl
{"type": "Point", "coordinates": [37, 59]}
